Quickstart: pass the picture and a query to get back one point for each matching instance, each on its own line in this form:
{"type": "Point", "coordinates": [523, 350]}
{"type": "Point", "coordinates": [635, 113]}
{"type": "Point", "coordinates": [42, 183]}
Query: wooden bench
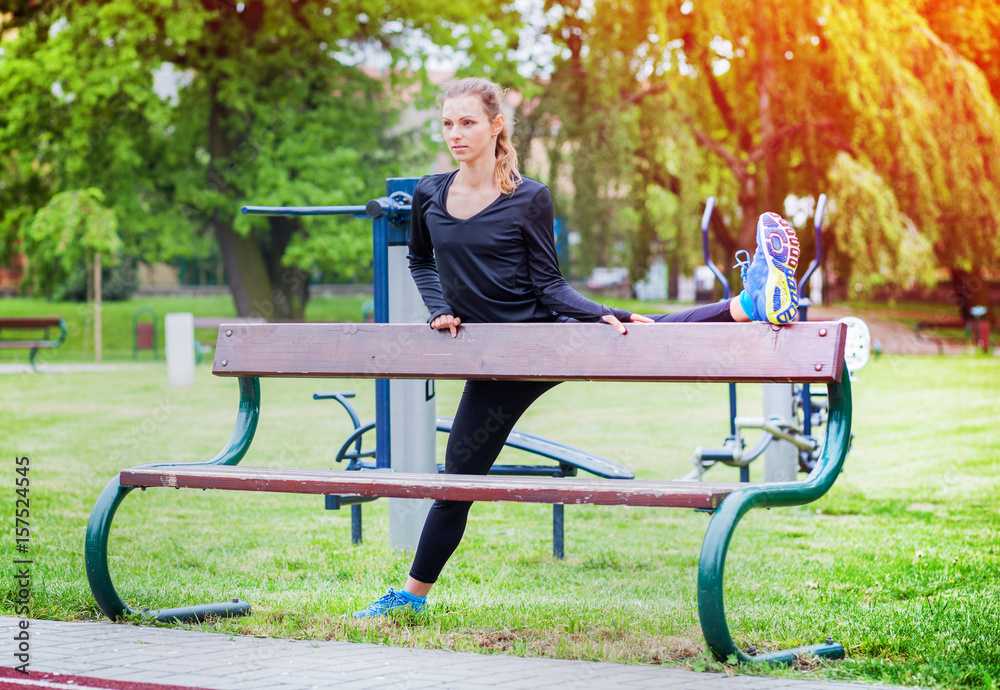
{"type": "Point", "coordinates": [810, 352]}
{"type": "Point", "coordinates": [32, 323]}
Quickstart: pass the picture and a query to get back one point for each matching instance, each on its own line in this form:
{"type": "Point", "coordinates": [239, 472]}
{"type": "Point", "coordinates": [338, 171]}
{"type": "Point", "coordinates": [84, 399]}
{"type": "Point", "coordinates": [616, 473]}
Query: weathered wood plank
{"type": "Point", "coordinates": [668, 494]}
{"type": "Point", "coordinates": [29, 322]}
{"type": "Point", "coordinates": [811, 352]}
{"type": "Point", "coordinates": [216, 321]}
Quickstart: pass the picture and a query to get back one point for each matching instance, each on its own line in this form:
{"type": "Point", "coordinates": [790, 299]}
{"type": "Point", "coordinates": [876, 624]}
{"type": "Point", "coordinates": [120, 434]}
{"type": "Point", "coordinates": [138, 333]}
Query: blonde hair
{"type": "Point", "coordinates": [505, 172]}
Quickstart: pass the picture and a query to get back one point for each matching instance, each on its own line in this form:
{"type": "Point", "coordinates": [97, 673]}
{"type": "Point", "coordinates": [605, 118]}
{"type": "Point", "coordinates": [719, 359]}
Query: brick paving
{"type": "Point", "coordinates": [105, 650]}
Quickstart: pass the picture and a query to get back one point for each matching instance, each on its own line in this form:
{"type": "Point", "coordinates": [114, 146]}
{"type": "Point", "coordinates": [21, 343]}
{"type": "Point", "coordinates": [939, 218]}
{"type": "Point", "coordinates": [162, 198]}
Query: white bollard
{"type": "Point", "coordinates": [816, 287]}
{"type": "Point", "coordinates": [781, 458]}
{"type": "Point", "coordinates": [413, 425]}
{"type": "Point", "coordinates": [179, 333]}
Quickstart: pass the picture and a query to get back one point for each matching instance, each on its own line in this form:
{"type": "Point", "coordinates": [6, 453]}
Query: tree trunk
{"type": "Point", "coordinates": [289, 284]}
{"type": "Point", "coordinates": [246, 272]}
{"type": "Point", "coordinates": [260, 285]}
{"type": "Point", "coordinates": [749, 202]}
{"type": "Point", "coordinates": [765, 41]}
{"type": "Point", "coordinates": [970, 290]}
{"type": "Point", "coordinates": [97, 307]}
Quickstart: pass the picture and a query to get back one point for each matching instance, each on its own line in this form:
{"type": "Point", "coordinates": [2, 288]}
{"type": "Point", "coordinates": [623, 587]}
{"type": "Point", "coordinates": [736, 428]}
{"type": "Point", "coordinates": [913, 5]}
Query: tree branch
{"type": "Point", "coordinates": [639, 96]}
{"type": "Point", "coordinates": [774, 142]}
{"type": "Point", "coordinates": [738, 167]}
{"type": "Point", "coordinates": [718, 95]}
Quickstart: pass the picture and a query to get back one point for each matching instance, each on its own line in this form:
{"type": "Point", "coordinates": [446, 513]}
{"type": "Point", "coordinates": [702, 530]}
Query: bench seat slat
{"type": "Point", "coordinates": [29, 322]}
{"type": "Point", "coordinates": [216, 321]}
{"type": "Point", "coordinates": [809, 352]}
{"type": "Point", "coordinates": [667, 494]}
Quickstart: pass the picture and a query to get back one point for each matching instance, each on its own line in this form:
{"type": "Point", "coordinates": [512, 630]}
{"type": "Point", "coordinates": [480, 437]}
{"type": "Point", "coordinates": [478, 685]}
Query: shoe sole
{"type": "Point", "coordinates": [774, 237]}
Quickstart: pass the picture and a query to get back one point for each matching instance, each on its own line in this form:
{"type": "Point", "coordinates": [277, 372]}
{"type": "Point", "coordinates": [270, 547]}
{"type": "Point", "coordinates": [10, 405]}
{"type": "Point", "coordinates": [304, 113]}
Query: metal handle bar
{"type": "Point", "coordinates": [396, 206]}
{"type": "Point", "coordinates": [358, 211]}
{"type": "Point", "coordinates": [820, 210]}
{"type": "Point", "coordinates": [705, 218]}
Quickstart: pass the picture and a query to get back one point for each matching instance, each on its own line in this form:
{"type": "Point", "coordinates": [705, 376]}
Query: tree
{"type": "Point", "coordinates": [268, 107]}
{"type": "Point", "coordinates": [758, 100]}
{"type": "Point", "coordinates": [73, 228]}
{"type": "Point", "coordinates": [972, 27]}
{"type": "Point", "coordinates": [923, 117]}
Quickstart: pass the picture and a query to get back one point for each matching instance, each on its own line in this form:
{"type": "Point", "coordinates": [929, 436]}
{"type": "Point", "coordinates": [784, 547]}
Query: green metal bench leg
{"type": "Point", "coordinates": [99, 526]}
{"type": "Point", "coordinates": [558, 531]}
{"type": "Point", "coordinates": [711, 565]}
{"type": "Point", "coordinates": [711, 608]}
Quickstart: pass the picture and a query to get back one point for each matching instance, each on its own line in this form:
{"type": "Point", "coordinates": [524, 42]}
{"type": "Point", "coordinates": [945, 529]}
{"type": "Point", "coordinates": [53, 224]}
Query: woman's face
{"type": "Point", "coordinates": [467, 129]}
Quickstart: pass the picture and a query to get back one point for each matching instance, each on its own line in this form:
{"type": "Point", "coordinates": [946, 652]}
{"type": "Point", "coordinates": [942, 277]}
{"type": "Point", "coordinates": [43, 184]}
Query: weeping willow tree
{"type": "Point", "coordinates": [758, 101]}
{"type": "Point", "coordinates": [924, 119]}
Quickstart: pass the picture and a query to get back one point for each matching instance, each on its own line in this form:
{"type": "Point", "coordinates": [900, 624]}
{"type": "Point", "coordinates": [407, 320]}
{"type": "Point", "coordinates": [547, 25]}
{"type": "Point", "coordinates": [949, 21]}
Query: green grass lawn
{"type": "Point", "coordinates": [900, 562]}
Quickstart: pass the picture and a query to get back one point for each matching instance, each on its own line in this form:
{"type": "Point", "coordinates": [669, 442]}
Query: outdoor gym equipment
{"type": "Point", "coordinates": [568, 461]}
{"type": "Point", "coordinates": [404, 410]}
{"type": "Point", "coordinates": [791, 411]}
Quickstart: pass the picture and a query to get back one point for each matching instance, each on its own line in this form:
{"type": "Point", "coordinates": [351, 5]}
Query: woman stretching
{"type": "Point", "coordinates": [482, 250]}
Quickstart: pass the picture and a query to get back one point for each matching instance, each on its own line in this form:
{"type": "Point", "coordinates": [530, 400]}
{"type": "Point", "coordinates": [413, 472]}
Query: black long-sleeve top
{"type": "Point", "coordinates": [499, 266]}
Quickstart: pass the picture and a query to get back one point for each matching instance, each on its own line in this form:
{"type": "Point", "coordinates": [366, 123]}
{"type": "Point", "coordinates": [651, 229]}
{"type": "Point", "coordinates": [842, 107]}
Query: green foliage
{"type": "Point", "coordinates": [268, 107]}
{"type": "Point", "coordinates": [119, 281]}
{"type": "Point", "coordinates": [972, 27]}
{"type": "Point", "coordinates": [64, 236]}
{"type": "Point", "coordinates": [865, 215]}
{"type": "Point", "coordinates": [926, 119]}
{"type": "Point", "coordinates": [754, 101]}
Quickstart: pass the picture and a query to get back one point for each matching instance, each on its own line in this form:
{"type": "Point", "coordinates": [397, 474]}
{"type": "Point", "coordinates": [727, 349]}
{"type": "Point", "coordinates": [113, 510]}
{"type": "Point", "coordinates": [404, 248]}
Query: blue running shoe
{"type": "Point", "coordinates": [393, 601]}
{"type": "Point", "coordinates": [770, 292]}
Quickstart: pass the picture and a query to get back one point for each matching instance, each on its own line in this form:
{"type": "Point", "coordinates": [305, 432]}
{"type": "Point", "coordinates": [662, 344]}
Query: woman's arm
{"type": "Point", "coordinates": [423, 267]}
{"type": "Point", "coordinates": [548, 283]}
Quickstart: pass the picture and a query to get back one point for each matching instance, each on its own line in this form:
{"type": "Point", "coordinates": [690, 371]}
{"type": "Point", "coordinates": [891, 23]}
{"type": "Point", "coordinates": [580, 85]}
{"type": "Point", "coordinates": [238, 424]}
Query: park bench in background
{"type": "Point", "coordinates": [809, 352]}
{"type": "Point", "coordinates": [976, 330]}
{"type": "Point", "coordinates": [38, 330]}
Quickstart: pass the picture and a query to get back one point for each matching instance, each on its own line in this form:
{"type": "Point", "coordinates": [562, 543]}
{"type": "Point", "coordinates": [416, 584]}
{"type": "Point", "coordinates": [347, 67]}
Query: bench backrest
{"type": "Point", "coordinates": [809, 352]}
{"type": "Point", "coordinates": [29, 322]}
{"type": "Point", "coordinates": [216, 321]}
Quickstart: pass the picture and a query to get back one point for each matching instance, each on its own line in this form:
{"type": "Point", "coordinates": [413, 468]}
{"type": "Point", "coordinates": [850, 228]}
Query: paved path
{"type": "Point", "coordinates": [74, 368]}
{"type": "Point", "coordinates": [134, 654]}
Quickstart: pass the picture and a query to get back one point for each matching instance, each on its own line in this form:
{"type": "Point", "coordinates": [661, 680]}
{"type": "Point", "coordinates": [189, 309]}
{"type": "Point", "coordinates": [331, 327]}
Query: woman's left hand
{"type": "Point", "coordinates": [620, 327]}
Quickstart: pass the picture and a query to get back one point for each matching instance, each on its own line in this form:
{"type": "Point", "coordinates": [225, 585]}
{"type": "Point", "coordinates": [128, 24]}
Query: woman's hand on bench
{"type": "Point", "coordinates": [619, 326]}
{"type": "Point", "coordinates": [447, 321]}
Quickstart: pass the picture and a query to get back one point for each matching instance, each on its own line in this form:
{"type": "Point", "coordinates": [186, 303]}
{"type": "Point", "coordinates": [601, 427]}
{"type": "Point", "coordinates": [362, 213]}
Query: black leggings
{"type": "Point", "coordinates": [486, 414]}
